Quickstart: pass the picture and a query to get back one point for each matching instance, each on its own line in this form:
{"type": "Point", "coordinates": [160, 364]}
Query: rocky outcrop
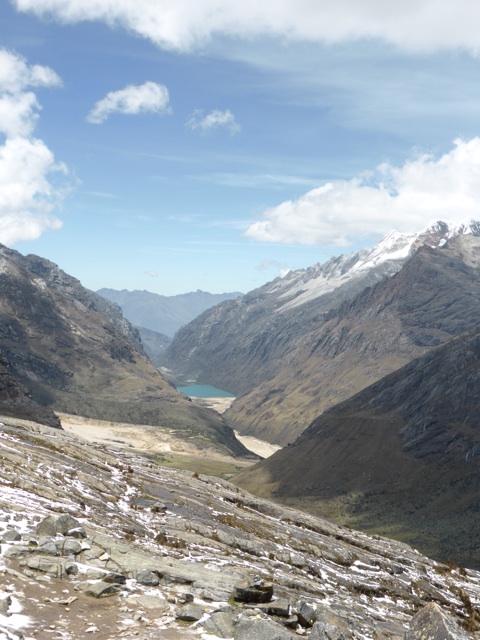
{"type": "Point", "coordinates": [75, 353]}
{"type": "Point", "coordinates": [225, 564]}
{"type": "Point", "coordinates": [402, 456]}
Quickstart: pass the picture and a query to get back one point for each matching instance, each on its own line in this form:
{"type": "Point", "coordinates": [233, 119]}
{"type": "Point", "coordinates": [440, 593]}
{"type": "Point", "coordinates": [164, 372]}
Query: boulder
{"type": "Point", "coordinates": [258, 591]}
{"type": "Point", "coordinates": [190, 613]}
{"type": "Point", "coordinates": [433, 623]}
{"type": "Point", "coordinates": [102, 589]}
{"type": "Point", "coordinates": [52, 525]}
{"type": "Point", "coordinates": [147, 578]}
{"type": "Point", "coordinates": [329, 626]}
{"type": "Point", "coordinates": [220, 624]}
{"type": "Point", "coordinates": [10, 535]}
{"type": "Point", "coordinates": [260, 629]}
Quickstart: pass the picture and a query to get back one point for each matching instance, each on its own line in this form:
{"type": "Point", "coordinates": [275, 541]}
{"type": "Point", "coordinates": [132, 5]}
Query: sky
{"type": "Point", "coordinates": [176, 145]}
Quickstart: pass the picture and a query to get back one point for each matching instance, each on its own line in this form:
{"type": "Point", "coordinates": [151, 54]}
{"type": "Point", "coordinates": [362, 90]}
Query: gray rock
{"type": "Point", "coordinates": [10, 535]}
{"type": "Point", "coordinates": [280, 607]}
{"type": "Point", "coordinates": [115, 578]}
{"type": "Point", "coordinates": [5, 603]}
{"type": "Point", "coordinates": [258, 591]}
{"type": "Point", "coordinates": [433, 623]}
{"type": "Point", "coordinates": [220, 624]}
{"type": "Point", "coordinates": [55, 567]}
{"type": "Point", "coordinates": [52, 525]}
{"type": "Point", "coordinates": [102, 589]}
{"type": "Point", "coordinates": [190, 613]}
{"type": "Point", "coordinates": [329, 626]}
{"type": "Point", "coordinates": [306, 613]}
{"type": "Point", "coordinates": [147, 578]}
{"type": "Point", "coordinates": [259, 629]}
{"type": "Point", "coordinates": [150, 602]}
{"type": "Point", "coordinates": [18, 551]}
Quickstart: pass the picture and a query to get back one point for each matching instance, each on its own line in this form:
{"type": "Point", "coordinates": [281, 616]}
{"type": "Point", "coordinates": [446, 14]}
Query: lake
{"type": "Point", "coordinates": [204, 391]}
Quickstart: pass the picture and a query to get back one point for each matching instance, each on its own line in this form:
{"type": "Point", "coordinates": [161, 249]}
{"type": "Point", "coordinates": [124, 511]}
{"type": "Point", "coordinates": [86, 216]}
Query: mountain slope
{"type": "Point", "coordinates": [16, 402]}
{"type": "Point", "coordinates": [163, 314]}
{"type": "Point", "coordinates": [401, 457]}
{"type": "Point", "coordinates": [74, 352]}
{"type": "Point", "coordinates": [183, 556]}
{"type": "Point", "coordinates": [436, 295]}
{"type": "Point", "coordinates": [238, 344]}
{"type": "Point", "coordinates": [300, 344]}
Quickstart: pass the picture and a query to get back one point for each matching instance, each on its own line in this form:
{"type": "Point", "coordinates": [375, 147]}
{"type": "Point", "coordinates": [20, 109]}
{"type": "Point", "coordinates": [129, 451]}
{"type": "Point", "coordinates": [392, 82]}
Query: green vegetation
{"type": "Point", "coordinates": [197, 464]}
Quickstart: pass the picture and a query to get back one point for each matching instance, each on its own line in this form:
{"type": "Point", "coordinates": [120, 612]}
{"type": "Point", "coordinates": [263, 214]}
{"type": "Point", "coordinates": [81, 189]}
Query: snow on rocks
{"type": "Point", "coordinates": [132, 549]}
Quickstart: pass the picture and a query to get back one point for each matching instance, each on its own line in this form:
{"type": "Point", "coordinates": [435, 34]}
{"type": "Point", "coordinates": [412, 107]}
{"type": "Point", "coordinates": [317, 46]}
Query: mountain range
{"type": "Point", "coordinates": [299, 345]}
{"type": "Point", "coordinates": [163, 314]}
{"type": "Point", "coordinates": [72, 351]}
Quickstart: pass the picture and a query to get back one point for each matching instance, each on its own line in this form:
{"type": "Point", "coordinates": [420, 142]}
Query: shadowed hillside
{"type": "Point", "coordinates": [74, 352]}
{"type": "Point", "coordinates": [401, 457]}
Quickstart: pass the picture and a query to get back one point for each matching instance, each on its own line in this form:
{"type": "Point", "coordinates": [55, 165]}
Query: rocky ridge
{"type": "Point", "coordinates": [74, 352]}
{"type": "Point", "coordinates": [288, 362]}
{"type": "Point", "coordinates": [100, 542]}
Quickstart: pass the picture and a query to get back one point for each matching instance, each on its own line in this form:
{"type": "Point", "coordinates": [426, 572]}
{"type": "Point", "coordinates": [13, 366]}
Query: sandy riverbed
{"type": "Point", "coordinates": [151, 439]}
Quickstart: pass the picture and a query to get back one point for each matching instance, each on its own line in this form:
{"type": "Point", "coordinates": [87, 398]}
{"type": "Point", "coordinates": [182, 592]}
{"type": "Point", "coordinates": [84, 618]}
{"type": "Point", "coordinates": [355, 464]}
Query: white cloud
{"type": "Point", "coordinates": [414, 25]}
{"type": "Point", "coordinates": [214, 120]}
{"type": "Point", "coordinates": [28, 190]}
{"type": "Point", "coordinates": [146, 98]}
{"type": "Point", "coordinates": [406, 198]}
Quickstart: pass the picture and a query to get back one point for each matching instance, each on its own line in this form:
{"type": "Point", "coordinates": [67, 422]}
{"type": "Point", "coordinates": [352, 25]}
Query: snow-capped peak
{"type": "Point", "coordinates": [386, 258]}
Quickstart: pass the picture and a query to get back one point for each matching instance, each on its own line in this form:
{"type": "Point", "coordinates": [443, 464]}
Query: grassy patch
{"type": "Point", "coordinates": [197, 464]}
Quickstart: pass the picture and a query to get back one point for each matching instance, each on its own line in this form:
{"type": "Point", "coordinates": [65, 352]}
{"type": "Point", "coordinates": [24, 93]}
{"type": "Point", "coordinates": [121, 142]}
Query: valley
{"type": "Point", "coordinates": [358, 386]}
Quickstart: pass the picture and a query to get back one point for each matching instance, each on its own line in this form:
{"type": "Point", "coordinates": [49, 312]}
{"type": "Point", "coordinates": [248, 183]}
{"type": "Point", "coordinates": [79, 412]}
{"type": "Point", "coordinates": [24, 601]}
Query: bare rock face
{"type": "Point", "coordinates": [432, 622]}
{"type": "Point", "coordinates": [324, 581]}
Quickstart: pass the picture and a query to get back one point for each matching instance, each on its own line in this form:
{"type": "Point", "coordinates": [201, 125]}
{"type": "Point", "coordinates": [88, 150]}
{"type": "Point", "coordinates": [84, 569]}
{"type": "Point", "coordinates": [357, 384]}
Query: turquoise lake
{"type": "Point", "coordinates": [204, 391]}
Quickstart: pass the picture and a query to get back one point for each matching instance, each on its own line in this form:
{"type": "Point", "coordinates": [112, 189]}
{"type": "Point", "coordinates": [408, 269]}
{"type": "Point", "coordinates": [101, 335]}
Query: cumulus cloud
{"type": "Point", "coordinates": [406, 198]}
{"type": "Point", "coordinates": [29, 191]}
{"type": "Point", "coordinates": [133, 100]}
{"type": "Point", "coordinates": [414, 25]}
{"type": "Point", "coordinates": [214, 120]}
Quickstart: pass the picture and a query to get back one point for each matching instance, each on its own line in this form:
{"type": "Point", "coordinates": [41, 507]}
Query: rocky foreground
{"type": "Point", "coordinates": [99, 542]}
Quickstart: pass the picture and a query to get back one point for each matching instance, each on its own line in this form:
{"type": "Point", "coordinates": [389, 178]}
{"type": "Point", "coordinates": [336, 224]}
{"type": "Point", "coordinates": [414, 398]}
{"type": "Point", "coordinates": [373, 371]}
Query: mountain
{"type": "Point", "coordinates": [163, 314]}
{"type": "Point", "coordinates": [301, 344]}
{"type": "Point", "coordinates": [101, 542]}
{"type": "Point", "coordinates": [74, 352]}
{"type": "Point", "coordinates": [154, 344]}
{"type": "Point", "coordinates": [401, 457]}
{"type": "Point", "coordinates": [16, 402]}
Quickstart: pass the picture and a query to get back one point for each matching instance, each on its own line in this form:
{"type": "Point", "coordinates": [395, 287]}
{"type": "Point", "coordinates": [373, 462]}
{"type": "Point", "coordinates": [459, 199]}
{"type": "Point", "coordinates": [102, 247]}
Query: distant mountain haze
{"type": "Point", "coordinates": [163, 314]}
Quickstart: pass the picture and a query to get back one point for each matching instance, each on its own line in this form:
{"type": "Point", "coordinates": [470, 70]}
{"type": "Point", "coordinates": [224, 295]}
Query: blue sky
{"type": "Point", "coordinates": [209, 144]}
